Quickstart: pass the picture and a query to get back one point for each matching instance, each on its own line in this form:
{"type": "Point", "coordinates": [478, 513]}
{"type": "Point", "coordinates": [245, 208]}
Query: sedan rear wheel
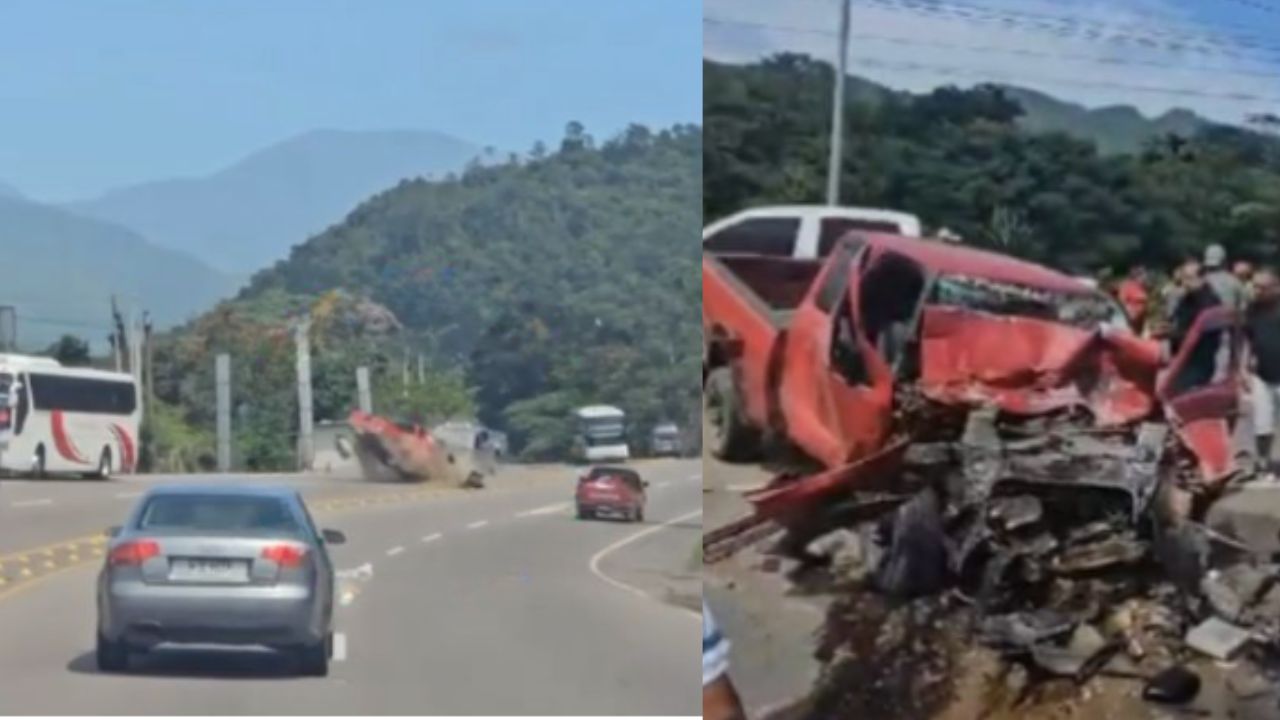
{"type": "Point", "coordinates": [313, 660]}
{"type": "Point", "coordinates": [112, 657]}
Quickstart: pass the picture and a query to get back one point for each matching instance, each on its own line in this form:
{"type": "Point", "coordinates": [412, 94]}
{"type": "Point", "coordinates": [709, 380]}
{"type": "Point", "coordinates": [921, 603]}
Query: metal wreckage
{"type": "Point", "coordinates": [388, 451]}
{"type": "Point", "coordinates": [1012, 446]}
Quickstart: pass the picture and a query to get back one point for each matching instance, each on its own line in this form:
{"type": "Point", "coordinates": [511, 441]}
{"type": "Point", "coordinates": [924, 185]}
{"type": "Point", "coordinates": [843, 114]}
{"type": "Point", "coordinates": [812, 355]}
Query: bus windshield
{"type": "Point", "coordinates": [602, 431]}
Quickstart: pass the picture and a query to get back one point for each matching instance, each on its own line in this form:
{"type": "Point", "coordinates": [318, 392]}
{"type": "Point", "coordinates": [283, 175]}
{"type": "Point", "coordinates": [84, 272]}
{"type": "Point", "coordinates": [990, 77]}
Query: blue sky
{"type": "Point", "coordinates": [95, 94]}
{"type": "Point", "coordinates": [1220, 58]}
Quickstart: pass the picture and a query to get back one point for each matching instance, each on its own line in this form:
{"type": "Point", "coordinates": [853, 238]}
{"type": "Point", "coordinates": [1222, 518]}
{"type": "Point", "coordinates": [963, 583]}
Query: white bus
{"type": "Point", "coordinates": [600, 434]}
{"type": "Point", "coordinates": [56, 419]}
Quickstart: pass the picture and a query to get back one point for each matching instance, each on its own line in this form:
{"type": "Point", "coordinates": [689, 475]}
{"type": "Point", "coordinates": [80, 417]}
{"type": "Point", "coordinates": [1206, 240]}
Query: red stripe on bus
{"type": "Point", "coordinates": [60, 439]}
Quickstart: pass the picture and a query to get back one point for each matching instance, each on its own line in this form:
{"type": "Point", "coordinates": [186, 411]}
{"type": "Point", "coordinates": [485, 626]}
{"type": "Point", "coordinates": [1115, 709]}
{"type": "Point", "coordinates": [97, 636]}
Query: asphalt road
{"type": "Point", "coordinates": [490, 602]}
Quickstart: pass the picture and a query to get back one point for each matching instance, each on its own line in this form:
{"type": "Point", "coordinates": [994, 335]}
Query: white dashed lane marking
{"type": "Point", "coordinates": [477, 524]}
{"type": "Point", "coordinates": [545, 510]}
{"type": "Point", "coordinates": [431, 538]}
{"type": "Point", "coordinates": [129, 495]}
{"type": "Point", "coordinates": [339, 647]}
{"type": "Point", "coordinates": [395, 551]}
{"type": "Point", "coordinates": [40, 502]}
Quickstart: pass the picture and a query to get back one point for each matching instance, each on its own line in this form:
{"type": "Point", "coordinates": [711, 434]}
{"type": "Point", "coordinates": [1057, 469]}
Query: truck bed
{"type": "Point", "coordinates": [774, 286]}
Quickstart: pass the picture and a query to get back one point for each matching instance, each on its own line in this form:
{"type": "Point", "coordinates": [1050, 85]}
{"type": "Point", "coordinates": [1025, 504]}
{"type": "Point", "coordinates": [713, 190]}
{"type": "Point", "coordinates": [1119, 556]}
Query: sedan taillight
{"type": "Point", "coordinates": [285, 555]}
{"type": "Point", "coordinates": [133, 552]}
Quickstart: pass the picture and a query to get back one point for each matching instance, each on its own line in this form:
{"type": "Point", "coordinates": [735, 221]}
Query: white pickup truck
{"type": "Point", "coordinates": [800, 231]}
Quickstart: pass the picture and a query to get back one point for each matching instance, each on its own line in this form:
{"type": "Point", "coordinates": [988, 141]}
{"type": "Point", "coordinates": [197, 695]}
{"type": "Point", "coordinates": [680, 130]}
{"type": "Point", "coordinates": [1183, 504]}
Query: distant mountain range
{"type": "Point", "coordinates": [1115, 129]}
{"type": "Point", "coordinates": [60, 271]}
{"type": "Point", "coordinates": [247, 216]}
{"type": "Point", "coordinates": [176, 247]}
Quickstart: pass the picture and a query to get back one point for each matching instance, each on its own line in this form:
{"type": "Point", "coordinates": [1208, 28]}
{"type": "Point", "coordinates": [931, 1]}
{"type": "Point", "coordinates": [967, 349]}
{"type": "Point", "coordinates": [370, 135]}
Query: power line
{"type": "Point", "coordinates": [915, 42]}
{"type": "Point", "coordinates": [1256, 5]}
{"type": "Point", "coordinates": [1090, 30]}
{"type": "Point", "coordinates": [1182, 92]}
{"type": "Point", "coordinates": [946, 70]}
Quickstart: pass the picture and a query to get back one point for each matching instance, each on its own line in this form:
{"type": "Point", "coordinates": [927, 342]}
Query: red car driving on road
{"type": "Point", "coordinates": [612, 490]}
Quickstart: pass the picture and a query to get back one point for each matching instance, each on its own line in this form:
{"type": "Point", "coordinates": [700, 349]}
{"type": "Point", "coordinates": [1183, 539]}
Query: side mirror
{"type": "Point", "coordinates": [333, 537]}
{"type": "Point", "coordinates": [644, 483]}
{"type": "Point", "coordinates": [113, 531]}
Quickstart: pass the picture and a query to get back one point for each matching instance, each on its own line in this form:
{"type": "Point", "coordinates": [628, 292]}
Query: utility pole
{"type": "Point", "coordinates": [422, 372]}
{"type": "Point", "coordinates": [135, 348]}
{"type": "Point", "coordinates": [121, 339]}
{"type": "Point", "coordinates": [8, 328]}
{"type": "Point", "coordinates": [363, 397]}
{"type": "Point", "coordinates": [404, 374]}
{"type": "Point", "coordinates": [837, 110]}
{"type": "Point", "coordinates": [306, 421]}
{"type": "Point", "coordinates": [222, 380]}
{"type": "Point", "coordinates": [148, 372]}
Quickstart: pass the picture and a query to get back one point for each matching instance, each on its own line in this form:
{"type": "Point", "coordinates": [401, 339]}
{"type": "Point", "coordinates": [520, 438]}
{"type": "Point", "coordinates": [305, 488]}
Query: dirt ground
{"type": "Point", "coordinates": [804, 650]}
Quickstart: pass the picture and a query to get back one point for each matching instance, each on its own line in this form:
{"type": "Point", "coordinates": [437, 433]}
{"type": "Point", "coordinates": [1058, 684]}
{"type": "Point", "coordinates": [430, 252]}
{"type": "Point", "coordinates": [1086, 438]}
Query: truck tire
{"type": "Point", "coordinates": [732, 438]}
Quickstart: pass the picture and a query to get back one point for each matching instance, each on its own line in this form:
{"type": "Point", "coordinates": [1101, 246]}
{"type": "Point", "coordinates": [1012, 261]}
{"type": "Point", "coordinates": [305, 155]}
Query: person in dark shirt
{"type": "Point", "coordinates": [1197, 297]}
{"type": "Point", "coordinates": [1262, 329]}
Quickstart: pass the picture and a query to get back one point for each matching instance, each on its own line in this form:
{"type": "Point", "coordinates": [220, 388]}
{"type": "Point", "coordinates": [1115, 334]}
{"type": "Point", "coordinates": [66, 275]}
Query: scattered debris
{"type": "Point", "coordinates": [1217, 638]}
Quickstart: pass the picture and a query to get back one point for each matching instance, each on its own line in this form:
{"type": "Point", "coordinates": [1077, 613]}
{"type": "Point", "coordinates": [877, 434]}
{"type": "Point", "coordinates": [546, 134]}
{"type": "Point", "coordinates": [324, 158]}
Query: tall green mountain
{"type": "Point", "coordinates": [565, 279]}
{"type": "Point", "coordinates": [62, 269]}
{"type": "Point", "coordinates": [248, 215]}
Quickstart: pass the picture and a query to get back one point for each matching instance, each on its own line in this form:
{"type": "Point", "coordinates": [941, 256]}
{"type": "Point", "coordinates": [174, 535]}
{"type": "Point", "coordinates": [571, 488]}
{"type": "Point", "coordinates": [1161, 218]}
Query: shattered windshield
{"type": "Point", "coordinates": [1084, 309]}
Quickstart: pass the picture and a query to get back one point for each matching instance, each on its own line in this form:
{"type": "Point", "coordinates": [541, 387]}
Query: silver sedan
{"type": "Point", "coordinates": [218, 565]}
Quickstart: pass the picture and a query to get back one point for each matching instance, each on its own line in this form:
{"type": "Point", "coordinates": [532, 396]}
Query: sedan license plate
{"type": "Point", "coordinates": [209, 570]}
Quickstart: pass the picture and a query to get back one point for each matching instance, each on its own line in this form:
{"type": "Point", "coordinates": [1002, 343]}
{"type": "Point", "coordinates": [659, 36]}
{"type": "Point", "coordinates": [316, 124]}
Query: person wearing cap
{"type": "Point", "coordinates": [1225, 284]}
{"type": "Point", "coordinates": [719, 697]}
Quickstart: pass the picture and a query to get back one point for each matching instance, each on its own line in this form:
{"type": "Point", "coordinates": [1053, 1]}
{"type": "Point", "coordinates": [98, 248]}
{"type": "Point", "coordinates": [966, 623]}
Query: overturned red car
{"type": "Point", "coordinates": [970, 391]}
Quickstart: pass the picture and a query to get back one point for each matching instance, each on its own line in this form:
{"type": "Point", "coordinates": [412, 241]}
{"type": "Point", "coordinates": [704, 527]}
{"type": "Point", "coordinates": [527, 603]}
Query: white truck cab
{"type": "Point", "coordinates": [800, 231]}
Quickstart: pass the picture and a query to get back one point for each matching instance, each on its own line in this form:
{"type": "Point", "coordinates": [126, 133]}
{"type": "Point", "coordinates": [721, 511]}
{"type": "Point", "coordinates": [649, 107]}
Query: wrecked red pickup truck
{"type": "Point", "coordinates": [968, 390]}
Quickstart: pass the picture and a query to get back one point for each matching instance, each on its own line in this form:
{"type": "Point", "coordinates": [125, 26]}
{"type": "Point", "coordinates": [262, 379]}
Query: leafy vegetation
{"type": "Point", "coordinates": [529, 288]}
{"type": "Point", "coordinates": [961, 160]}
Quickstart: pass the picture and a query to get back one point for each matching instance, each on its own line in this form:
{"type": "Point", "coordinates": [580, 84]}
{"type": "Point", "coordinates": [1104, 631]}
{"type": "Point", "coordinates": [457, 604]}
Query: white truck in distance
{"type": "Point", "coordinates": [803, 232]}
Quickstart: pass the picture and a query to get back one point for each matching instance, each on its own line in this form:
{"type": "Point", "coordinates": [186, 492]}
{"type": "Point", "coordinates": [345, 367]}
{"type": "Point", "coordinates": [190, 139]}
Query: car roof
{"type": "Point", "coordinates": [953, 259]}
{"type": "Point", "coordinates": [271, 491]}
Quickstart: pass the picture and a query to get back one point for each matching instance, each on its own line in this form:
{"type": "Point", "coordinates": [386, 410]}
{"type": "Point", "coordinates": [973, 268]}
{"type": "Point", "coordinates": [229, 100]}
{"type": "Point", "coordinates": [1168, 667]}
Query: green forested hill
{"type": "Point", "coordinates": [961, 159]}
{"type": "Point", "coordinates": [566, 278]}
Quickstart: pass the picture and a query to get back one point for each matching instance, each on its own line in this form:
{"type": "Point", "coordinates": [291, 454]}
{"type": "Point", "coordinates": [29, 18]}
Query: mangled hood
{"type": "Point", "coordinates": [1028, 366]}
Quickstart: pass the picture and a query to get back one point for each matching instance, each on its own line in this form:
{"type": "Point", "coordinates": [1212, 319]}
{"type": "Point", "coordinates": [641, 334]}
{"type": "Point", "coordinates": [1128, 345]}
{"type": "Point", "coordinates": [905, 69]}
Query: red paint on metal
{"type": "Point", "coordinates": [66, 448]}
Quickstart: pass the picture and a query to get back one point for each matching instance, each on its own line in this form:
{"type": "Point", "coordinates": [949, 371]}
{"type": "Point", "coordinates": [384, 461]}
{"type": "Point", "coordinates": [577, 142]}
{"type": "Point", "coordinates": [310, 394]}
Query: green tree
{"type": "Point", "coordinates": [70, 350]}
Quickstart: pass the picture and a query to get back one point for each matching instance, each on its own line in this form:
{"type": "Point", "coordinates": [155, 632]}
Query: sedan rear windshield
{"type": "Point", "coordinates": [220, 514]}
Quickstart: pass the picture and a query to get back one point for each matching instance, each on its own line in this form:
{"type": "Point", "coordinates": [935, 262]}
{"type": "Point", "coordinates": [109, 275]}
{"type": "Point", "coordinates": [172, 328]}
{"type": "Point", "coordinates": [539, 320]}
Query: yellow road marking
{"type": "Point", "coordinates": [97, 541]}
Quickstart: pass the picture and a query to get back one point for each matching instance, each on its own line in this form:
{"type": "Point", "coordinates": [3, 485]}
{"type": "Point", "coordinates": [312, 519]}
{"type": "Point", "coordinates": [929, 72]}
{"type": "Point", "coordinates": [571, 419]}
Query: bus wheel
{"type": "Point", "coordinates": [104, 466]}
{"type": "Point", "coordinates": [37, 463]}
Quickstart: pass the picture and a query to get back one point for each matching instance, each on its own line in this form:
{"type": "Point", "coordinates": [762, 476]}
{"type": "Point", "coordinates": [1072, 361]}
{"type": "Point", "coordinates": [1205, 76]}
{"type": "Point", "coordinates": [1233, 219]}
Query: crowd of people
{"type": "Point", "coordinates": [1197, 285]}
